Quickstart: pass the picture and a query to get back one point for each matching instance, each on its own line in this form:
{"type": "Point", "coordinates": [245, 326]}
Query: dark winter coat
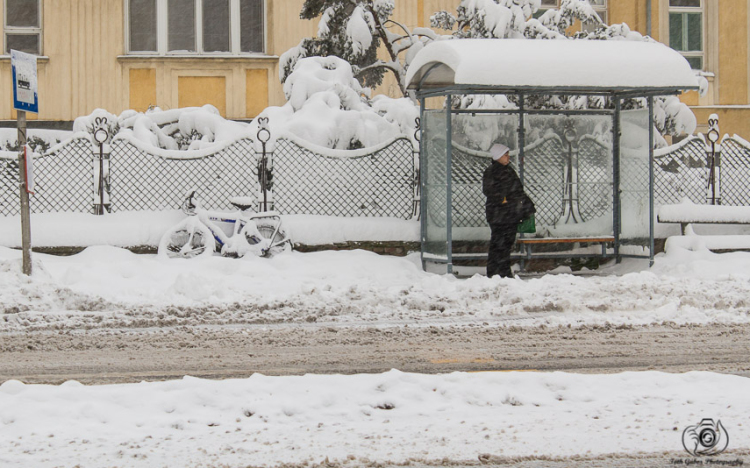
{"type": "Point", "coordinates": [506, 201]}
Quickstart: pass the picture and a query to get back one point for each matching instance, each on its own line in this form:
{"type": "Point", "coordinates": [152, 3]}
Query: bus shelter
{"type": "Point", "coordinates": [578, 116]}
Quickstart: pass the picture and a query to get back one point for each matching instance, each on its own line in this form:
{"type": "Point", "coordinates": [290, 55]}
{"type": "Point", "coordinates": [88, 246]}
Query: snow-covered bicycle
{"type": "Point", "coordinates": [234, 234]}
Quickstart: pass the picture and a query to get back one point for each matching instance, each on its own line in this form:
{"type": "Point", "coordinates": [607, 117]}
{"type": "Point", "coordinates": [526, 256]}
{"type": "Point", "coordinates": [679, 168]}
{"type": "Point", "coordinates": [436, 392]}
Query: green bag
{"type": "Point", "coordinates": [527, 226]}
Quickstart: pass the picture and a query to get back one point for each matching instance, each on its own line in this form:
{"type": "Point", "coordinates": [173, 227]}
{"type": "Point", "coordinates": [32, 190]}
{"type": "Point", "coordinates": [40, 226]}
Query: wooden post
{"type": "Point", "coordinates": [25, 212]}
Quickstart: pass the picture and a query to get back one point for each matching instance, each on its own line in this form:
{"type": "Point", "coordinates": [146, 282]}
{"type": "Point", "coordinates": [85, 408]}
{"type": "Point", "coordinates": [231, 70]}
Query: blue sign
{"type": "Point", "coordinates": [25, 96]}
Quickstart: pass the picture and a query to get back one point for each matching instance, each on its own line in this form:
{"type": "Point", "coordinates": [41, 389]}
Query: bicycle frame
{"type": "Point", "coordinates": [238, 220]}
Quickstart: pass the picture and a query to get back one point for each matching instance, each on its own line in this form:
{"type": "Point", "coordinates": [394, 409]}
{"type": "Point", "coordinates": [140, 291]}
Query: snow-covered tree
{"type": "Point", "coordinates": [354, 30]}
{"type": "Point", "coordinates": [327, 106]}
{"type": "Point", "coordinates": [504, 19]}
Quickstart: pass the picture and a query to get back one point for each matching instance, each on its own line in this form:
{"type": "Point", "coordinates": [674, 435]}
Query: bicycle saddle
{"type": "Point", "coordinates": [242, 203]}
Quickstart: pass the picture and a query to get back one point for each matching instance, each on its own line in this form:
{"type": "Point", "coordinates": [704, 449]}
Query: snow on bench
{"type": "Point", "coordinates": [688, 212]}
{"type": "Point", "coordinates": [694, 242]}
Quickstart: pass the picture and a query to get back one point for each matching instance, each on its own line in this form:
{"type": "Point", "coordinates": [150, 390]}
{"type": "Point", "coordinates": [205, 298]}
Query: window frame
{"type": "Point", "coordinates": [704, 29]}
{"type": "Point", "coordinates": [599, 9]}
{"type": "Point", "coordinates": [162, 33]}
{"type": "Point", "coordinates": [23, 30]}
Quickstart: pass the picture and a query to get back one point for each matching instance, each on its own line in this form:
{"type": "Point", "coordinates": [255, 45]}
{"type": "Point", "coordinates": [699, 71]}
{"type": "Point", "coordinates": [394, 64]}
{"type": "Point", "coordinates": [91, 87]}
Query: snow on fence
{"type": "Point", "coordinates": [377, 181]}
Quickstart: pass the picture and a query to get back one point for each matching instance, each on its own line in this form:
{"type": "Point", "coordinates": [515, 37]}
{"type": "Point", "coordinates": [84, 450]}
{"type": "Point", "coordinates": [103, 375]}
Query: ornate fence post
{"type": "Point", "coordinates": [416, 174]}
{"type": "Point", "coordinates": [713, 159]}
{"type": "Point", "coordinates": [101, 173]}
{"type": "Point", "coordinates": [265, 174]}
{"type": "Point", "coordinates": [570, 193]}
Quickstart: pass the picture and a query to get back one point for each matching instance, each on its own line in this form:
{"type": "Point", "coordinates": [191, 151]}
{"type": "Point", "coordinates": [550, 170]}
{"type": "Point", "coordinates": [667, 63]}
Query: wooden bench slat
{"type": "Point", "coordinates": [534, 240]}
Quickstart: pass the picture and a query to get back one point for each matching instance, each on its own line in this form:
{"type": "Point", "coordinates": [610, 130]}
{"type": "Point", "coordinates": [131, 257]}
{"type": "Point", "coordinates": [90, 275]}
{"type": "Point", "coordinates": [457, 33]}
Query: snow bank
{"type": "Point", "coordinates": [390, 418]}
{"type": "Point", "coordinates": [117, 288]}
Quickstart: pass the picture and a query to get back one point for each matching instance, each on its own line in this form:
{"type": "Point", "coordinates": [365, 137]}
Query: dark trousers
{"type": "Point", "coordinates": [501, 242]}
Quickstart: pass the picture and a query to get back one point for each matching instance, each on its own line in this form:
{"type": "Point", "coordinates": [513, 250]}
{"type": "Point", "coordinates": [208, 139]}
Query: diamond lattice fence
{"type": "Point", "coordinates": [544, 177]}
{"type": "Point", "coordinates": [681, 173]}
{"type": "Point", "coordinates": [735, 172]}
{"type": "Point", "coordinates": [466, 184]}
{"type": "Point", "coordinates": [63, 181]}
{"type": "Point", "coordinates": [594, 178]}
{"type": "Point", "coordinates": [376, 184]}
{"type": "Point", "coordinates": [142, 181]}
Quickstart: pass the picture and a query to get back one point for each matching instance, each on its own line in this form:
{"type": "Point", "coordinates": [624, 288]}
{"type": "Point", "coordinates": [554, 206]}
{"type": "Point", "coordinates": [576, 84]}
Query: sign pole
{"type": "Point", "coordinates": [25, 98]}
{"type": "Point", "coordinates": [25, 212]}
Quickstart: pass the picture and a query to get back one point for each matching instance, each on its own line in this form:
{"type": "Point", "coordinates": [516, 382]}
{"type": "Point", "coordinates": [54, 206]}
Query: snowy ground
{"type": "Point", "coordinates": [352, 420]}
{"type": "Point", "coordinates": [391, 417]}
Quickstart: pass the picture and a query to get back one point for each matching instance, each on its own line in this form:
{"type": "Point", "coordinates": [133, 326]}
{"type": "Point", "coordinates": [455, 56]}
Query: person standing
{"type": "Point", "coordinates": [507, 205]}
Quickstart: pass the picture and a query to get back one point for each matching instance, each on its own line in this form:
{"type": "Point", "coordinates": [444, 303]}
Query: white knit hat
{"type": "Point", "coordinates": [498, 150]}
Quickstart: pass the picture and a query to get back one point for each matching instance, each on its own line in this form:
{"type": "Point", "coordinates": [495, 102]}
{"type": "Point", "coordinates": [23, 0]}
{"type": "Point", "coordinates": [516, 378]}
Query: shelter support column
{"type": "Point", "coordinates": [616, 193]}
{"type": "Point", "coordinates": [651, 180]}
{"type": "Point", "coordinates": [449, 177]}
{"type": "Point", "coordinates": [422, 184]}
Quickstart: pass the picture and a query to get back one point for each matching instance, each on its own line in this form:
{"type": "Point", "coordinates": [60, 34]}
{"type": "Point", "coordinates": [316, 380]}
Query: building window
{"type": "Point", "coordinates": [686, 30]}
{"type": "Point", "coordinates": [23, 26]}
{"type": "Point", "coordinates": [600, 7]}
{"type": "Point", "coordinates": [196, 26]}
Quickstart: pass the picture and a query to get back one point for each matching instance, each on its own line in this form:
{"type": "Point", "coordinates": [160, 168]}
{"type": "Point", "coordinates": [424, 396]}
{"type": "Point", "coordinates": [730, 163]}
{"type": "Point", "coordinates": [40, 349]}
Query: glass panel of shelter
{"type": "Point", "coordinates": [434, 185]}
{"type": "Point", "coordinates": [634, 176]}
{"type": "Point", "coordinates": [567, 172]}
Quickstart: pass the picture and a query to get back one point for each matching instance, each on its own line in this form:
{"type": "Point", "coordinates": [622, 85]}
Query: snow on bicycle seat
{"type": "Point", "coordinates": [242, 203]}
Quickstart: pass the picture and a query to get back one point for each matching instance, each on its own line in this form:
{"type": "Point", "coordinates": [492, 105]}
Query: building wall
{"type": "Point", "coordinates": [85, 66]}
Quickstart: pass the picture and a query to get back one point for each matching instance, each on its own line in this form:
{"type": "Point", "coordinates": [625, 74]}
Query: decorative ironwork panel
{"type": "Point", "coordinates": [544, 177]}
{"type": "Point", "coordinates": [63, 181]}
{"type": "Point", "coordinates": [142, 181]}
{"type": "Point", "coordinates": [375, 184]}
{"type": "Point", "coordinates": [735, 172]}
{"type": "Point", "coordinates": [594, 178]}
{"type": "Point", "coordinates": [681, 173]}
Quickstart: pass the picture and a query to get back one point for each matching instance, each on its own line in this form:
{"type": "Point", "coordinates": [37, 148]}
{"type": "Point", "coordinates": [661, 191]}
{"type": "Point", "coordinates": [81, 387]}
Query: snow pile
{"type": "Point", "coordinates": [189, 128]}
{"type": "Point", "coordinates": [387, 418]}
{"type": "Point", "coordinates": [116, 288]}
{"type": "Point", "coordinates": [327, 106]}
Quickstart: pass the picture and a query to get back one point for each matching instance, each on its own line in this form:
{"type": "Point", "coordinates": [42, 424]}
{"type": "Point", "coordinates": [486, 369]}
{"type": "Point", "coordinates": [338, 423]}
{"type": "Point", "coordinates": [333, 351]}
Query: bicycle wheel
{"type": "Point", "coordinates": [265, 228]}
{"type": "Point", "coordinates": [188, 239]}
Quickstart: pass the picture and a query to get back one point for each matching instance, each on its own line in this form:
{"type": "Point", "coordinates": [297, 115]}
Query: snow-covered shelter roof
{"type": "Point", "coordinates": [560, 65]}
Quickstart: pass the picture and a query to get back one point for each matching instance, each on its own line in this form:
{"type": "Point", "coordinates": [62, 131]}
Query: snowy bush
{"type": "Point", "coordinates": [327, 106]}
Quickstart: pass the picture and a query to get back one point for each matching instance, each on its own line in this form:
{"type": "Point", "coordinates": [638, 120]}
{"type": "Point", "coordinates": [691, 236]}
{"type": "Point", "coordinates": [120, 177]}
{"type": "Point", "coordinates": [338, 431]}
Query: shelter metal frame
{"type": "Point", "coordinates": [616, 94]}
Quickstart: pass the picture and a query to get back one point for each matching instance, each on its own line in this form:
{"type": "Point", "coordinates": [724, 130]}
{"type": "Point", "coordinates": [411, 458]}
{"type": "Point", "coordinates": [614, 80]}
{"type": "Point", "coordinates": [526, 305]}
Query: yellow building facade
{"type": "Point", "coordinates": [132, 54]}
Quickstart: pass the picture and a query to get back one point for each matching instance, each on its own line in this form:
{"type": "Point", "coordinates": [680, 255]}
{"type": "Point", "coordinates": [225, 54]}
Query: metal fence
{"type": "Point", "coordinates": [63, 180]}
{"type": "Point", "coordinates": [367, 183]}
{"type": "Point", "coordinates": [143, 181]}
{"type": "Point", "coordinates": [334, 183]}
{"type": "Point", "coordinates": [683, 172]}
